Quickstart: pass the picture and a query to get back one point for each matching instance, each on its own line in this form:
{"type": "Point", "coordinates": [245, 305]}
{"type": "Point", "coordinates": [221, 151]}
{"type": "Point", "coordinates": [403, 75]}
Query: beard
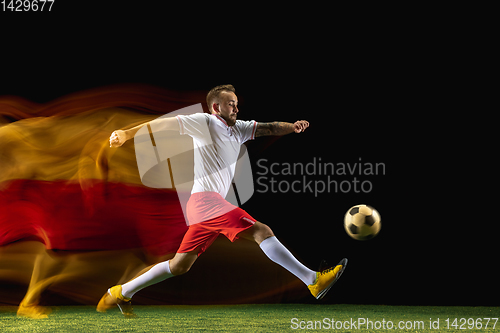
{"type": "Point", "coordinates": [231, 120]}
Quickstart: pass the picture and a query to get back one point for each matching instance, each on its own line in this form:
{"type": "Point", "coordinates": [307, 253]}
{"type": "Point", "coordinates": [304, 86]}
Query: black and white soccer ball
{"type": "Point", "coordinates": [362, 222]}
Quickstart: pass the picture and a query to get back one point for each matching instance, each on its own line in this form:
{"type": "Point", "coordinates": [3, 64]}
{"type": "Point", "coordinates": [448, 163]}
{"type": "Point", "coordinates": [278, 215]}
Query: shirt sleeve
{"type": "Point", "coordinates": [246, 130]}
{"type": "Point", "coordinates": [194, 125]}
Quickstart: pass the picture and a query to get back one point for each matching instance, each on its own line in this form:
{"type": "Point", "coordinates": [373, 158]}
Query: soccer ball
{"type": "Point", "coordinates": [362, 222]}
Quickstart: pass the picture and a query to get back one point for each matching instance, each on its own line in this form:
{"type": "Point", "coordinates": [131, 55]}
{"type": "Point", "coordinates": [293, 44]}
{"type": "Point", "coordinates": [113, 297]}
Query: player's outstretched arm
{"type": "Point", "coordinates": [280, 128]}
{"type": "Point", "coordinates": [119, 137]}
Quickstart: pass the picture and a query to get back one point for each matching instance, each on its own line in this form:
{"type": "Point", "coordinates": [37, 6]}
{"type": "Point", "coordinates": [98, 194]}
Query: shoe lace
{"type": "Point", "coordinates": [327, 270]}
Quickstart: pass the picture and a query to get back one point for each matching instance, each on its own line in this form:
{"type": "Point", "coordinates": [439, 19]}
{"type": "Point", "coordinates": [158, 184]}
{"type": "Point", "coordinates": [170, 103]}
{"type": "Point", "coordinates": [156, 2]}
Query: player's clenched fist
{"type": "Point", "coordinates": [300, 126]}
{"type": "Point", "coordinates": [117, 138]}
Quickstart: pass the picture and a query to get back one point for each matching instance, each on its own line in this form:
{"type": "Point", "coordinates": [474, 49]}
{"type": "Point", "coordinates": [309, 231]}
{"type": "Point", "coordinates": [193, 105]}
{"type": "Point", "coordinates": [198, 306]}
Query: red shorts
{"type": "Point", "coordinates": [209, 215]}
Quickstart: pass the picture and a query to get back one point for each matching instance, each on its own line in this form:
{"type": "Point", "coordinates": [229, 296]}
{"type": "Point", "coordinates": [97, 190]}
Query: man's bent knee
{"type": "Point", "coordinates": [182, 262]}
{"type": "Point", "coordinates": [261, 232]}
{"type": "Point", "coordinates": [179, 270]}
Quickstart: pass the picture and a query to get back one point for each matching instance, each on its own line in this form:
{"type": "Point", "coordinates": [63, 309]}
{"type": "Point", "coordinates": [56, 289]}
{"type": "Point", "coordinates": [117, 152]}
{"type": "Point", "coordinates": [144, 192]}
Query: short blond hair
{"type": "Point", "coordinates": [214, 94]}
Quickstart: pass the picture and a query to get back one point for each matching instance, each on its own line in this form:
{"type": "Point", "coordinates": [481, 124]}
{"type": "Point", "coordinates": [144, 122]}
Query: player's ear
{"type": "Point", "coordinates": [215, 107]}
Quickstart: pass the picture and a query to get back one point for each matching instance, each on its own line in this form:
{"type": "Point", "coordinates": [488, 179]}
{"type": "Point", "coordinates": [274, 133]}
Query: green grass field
{"type": "Point", "coordinates": [260, 318]}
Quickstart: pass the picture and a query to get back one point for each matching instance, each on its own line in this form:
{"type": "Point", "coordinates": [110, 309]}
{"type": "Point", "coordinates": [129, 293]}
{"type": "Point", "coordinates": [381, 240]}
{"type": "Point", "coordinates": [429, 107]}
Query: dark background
{"type": "Point", "coordinates": [382, 88]}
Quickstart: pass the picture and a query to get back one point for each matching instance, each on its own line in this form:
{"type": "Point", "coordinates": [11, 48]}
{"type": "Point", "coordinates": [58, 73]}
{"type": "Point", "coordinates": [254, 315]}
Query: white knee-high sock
{"type": "Point", "coordinates": [280, 255]}
{"type": "Point", "coordinates": [157, 273]}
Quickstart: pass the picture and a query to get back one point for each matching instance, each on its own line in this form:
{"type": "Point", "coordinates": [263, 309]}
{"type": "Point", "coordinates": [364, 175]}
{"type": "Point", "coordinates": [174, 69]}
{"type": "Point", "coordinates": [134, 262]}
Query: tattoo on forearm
{"type": "Point", "coordinates": [274, 128]}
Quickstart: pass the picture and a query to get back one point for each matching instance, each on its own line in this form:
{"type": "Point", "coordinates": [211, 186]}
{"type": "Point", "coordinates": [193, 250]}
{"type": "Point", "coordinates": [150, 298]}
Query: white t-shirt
{"type": "Point", "coordinates": [216, 149]}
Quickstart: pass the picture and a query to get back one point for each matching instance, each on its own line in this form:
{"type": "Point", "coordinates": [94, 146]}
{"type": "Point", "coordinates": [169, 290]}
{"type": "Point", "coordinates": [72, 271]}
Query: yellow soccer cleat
{"type": "Point", "coordinates": [33, 311]}
{"type": "Point", "coordinates": [326, 279]}
{"type": "Point", "coordinates": [114, 297]}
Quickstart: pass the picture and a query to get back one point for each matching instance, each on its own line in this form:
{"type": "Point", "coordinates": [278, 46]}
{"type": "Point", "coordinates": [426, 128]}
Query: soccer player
{"type": "Point", "coordinates": [217, 138]}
